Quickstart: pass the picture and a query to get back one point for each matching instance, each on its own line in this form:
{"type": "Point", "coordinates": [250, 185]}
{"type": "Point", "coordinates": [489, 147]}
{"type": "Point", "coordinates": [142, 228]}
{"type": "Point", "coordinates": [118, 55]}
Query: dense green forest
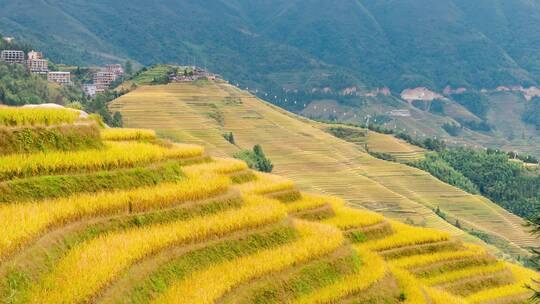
{"type": "Point", "coordinates": [19, 87]}
{"type": "Point", "coordinates": [532, 113]}
{"type": "Point", "coordinates": [491, 173]}
{"type": "Point", "coordinates": [301, 44]}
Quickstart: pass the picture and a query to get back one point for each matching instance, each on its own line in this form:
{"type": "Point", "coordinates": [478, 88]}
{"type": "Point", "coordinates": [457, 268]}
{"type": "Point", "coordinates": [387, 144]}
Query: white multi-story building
{"type": "Point", "coordinates": [12, 56]}
{"type": "Point", "coordinates": [90, 89]}
{"type": "Point", "coordinates": [103, 80]}
{"type": "Point", "coordinates": [59, 77]}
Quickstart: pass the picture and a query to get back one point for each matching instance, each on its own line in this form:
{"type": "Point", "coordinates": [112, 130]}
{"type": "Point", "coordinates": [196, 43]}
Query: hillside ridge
{"type": "Point", "coordinates": [306, 152]}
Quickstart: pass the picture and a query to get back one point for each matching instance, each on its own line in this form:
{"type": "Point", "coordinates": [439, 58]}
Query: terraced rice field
{"type": "Point", "coordinates": [401, 150]}
{"type": "Point", "coordinates": [199, 233]}
{"type": "Point", "coordinates": [305, 152]}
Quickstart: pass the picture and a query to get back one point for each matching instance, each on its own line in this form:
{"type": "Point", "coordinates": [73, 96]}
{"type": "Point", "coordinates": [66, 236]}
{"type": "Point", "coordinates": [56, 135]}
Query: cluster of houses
{"type": "Point", "coordinates": [36, 64]}
{"type": "Point", "coordinates": [193, 74]}
{"type": "Point", "coordinates": [103, 79]}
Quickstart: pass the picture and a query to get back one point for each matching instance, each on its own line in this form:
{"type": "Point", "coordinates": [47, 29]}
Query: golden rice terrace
{"type": "Point", "coordinates": [125, 217]}
{"type": "Point", "coordinates": [330, 159]}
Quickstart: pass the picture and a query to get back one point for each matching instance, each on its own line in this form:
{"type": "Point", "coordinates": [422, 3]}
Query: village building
{"type": "Point", "coordinates": [193, 75]}
{"type": "Point", "coordinates": [39, 66]}
{"type": "Point", "coordinates": [90, 89]}
{"type": "Point", "coordinates": [12, 56]}
{"type": "Point", "coordinates": [8, 39]}
{"type": "Point", "coordinates": [400, 113]}
{"type": "Point", "coordinates": [115, 69]}
{"type": "Point", "coordinates": [59, 77]}
{"type": "Point", "coordinates": [103, 80]}
{"type": "Point", "coordinates": [33, 55]}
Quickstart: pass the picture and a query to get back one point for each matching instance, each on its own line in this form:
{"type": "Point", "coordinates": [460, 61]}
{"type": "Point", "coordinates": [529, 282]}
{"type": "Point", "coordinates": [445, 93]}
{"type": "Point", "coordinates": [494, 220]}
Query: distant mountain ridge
{"type": "Point", "coordinates": [346, 56]}
{"type": "Point", "coordinates": [375, 43]}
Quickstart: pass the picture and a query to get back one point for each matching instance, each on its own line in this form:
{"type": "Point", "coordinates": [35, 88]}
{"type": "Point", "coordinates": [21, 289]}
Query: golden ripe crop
{"type": "Point", "coordinates": [14, 117]}
{"type": "Point", "coordinates": [27, 220]}
{"type": "Point", "coordinates": [372, 270]}
{"type": "Point", "coordinates": [208, 285]}
{"type": "Point", "coordinates": [452, 276]}
{"type": "Point", "coordinates": [127, 134]}
{"type": "Point", "coordinates": [438, 296]}
{"type": "Point", "coordinates": [267, 183]}
{"type": "Point", "coordinates": [523, 277]}
{"type": "Point", "coordinates": [406, 236]}
{"type": "Point", "coordinates": [115, 155]}
{"type": "Point", "coordinates": [347, 218]}
{"type": "Point", "coordinates": [431, 258]}
{"type": "Point", "coordinates": [218, 165]}
{"type": "Point", "coordinates": [308, 201]}
{"type": "Point", "coordinates": [409, 285]}
{"type": "Point", "coordinates": [94, 264]}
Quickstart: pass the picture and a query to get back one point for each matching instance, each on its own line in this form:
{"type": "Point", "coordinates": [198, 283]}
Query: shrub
{"type": "Point", "coordinates": [256, 159]}
{"type": "Point", "coordinates": [229, 137]}
{"type": "Point", "coordinates": [452, 129]}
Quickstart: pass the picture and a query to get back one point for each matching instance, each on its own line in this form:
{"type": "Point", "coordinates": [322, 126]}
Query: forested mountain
{"type": "Point", "coordinates": [316, 51]}
{"type": "Point", "coordinates": [480, 43]}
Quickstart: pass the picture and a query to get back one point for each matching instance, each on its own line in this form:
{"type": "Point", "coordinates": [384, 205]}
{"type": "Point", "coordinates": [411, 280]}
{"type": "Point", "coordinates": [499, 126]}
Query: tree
{"type": "Point", "coordinates": [256, 159]}
{"type": "Point", "coordinates": [229, 137]}
{"type": "Point", "coordinates": [117, 120]}
{"type": "Point", "coordinates": [264, 164]}
{"type": "Point", "coordinates": [129, 68]}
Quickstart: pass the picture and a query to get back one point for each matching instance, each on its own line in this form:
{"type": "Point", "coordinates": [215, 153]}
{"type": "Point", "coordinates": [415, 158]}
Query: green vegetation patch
{"type": "Point", "coordinates": [55, 186]}
{"type": "Point", "coordinates": [43, 139]}
{"type": "Point", "coordinates": [504, 182]}
{"type": "Point", "coordinates": [304, 280]}
{"type": "Point", "coordinates": [256, 159]}
{"type": "Point", "coordinates": [446, 173]}
{"type": "Point", "coordinates": [15, 286]}
{"type": "Point", "coordinates": [349, 134]}
{"type": "Point", "coordinates": [181, 267]}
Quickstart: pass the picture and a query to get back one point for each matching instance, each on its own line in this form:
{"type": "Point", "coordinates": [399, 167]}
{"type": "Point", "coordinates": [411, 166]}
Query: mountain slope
{"type": "Point", "coordinates": [141, 220]}
{"type": "Point", "coordinates": [301, 150]}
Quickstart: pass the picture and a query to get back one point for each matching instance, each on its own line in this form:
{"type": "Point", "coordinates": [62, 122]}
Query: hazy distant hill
{"type": "Point", "coordinates": [316, 51]}
{"type": "Point", "coordinates": [482, 43]}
